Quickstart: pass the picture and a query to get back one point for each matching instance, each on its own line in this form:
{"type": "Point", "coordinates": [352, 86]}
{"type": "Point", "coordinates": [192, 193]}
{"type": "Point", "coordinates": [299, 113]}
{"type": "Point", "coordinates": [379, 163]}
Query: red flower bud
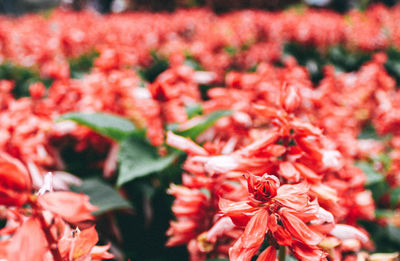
{"type": "Point", "coordinates": [263, 188]}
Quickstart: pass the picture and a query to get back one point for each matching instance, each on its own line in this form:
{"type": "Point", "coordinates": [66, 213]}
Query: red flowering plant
{"type": "Point", "coordinates": [276, 133]}
{"type": "Point", "coordinates": [39, 225]}
{"type": "Point", "coordinates": [279, 213]}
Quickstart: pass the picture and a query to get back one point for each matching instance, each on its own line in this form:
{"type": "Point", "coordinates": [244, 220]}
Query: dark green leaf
{"type": "Point", "coordinates": [109, 125]}
{"type": "Point", "coordinates": [375, 180]}
{"type": "Point", "coordinates": [394, 234]}
{"type": "Point", "coordinates": [82, 64]}
{"type": "Point", "coordinates": [158, 65]}
{"type": "Point", "coordinates": [386, 238]}
{"type": "Point", "coordinates": [102, 195]}
{"type": "Point", "coordinates": [137, 158]}
{"type": "Point", "coordinates": [395, 197]}
{"type": "Point", "coordinates": [208, 121]}
{"type": "Point", "coordinates": [22, 77]}
{"type": "Point", "coordinates": [368, 132]}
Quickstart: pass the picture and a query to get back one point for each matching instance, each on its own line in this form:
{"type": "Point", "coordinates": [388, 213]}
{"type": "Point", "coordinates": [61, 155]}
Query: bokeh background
{"type": "Point", "coordinates": [18, 7]}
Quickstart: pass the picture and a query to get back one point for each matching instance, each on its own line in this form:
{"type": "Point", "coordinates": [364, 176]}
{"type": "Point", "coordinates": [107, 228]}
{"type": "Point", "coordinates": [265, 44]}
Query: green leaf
{"type": "Point", "coordinates": [208, 121]}
{"type": "Point", "coordinates": [368, 132]}
{"type": "Point", "coordinates": [372, 175]}
{"type": "Point", "coordinates": [102, 195]}
{"type": "Point", "coordinates": [384, 213]}
{"type": "Point", "coordinates": [22, 77]}
{"type": "Point", "coordinates": [82, 64]}
{"type": "Point", "coordinates": [231, 50]}
{"type": "Point", "coordinates": [375, 180]}
{"type": "Point", "coordinates": [393, 234]}
{"type": "Point", "coordinates": [109, 125]}
{"type": "Point", "coordinates": [137, 158]}
{"type": "Point", "coordinates": [158, 65]}
{"type": "Point", "coordinates": [395, 197]}
{"type": "Point", "coordinates": [194, 110]}
{"type": "Point", "coordinates": [192, 62]}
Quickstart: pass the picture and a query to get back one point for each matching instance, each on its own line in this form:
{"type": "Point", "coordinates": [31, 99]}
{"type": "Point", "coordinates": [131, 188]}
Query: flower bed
{"type": "Point", "coordinates": [250, 136]}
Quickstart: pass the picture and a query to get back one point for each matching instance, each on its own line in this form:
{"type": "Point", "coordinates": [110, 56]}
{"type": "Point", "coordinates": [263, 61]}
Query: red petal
{"type": "Point", "coordinates": [268, 254]}
{"type": "Point", "coordinates": [251, 239]}
{"type": "Point", "coordinates": [28, 243]}
{"type": "Point", "coordinates": [100, 253]}
{"type": "Point", "coordinates": [289, 172]}
{"type": "Point", "coordinates": [72, 207]}
{"type": "Point", "coordinates": [15, 181]}
{"type": "Point", "coordinates": [259, 144]}
{"type": "Point", "coordinates": [307, 173]}
{"type": "Point", "coordinates": [298, 229]}
{"type": "Point", "coordinates": [305, 128]}
{"type": "Point", "coordinates": [185, 144]}
{"type": "Point", "coordinates": [84, 243]}
{"type": "Point", "coordinates": [308, 253]}
{"type": "Point", "coordinates": [240, 212]}
{"type": "Point", "coordinates": [293, 196]}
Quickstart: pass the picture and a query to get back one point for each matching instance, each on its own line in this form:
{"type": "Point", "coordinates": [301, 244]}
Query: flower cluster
{"type": "Point", "coordinates": [44, 225]}
{"type": "Point", "coordinates": [239, 39]}
{"type": "Point", "coordinates": [288, 169]}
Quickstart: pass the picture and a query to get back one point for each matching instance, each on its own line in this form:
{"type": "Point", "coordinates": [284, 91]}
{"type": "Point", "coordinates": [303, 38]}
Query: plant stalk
{"type": "Point", "coordinates": [52, 242]}
{"type": "Point", "coordinates": [282, 253]}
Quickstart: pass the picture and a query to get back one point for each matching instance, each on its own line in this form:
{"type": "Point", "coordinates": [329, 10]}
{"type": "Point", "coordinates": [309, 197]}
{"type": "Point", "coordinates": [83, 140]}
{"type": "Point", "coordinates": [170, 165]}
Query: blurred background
{"type": "Point", "coordinates": [18, 7]}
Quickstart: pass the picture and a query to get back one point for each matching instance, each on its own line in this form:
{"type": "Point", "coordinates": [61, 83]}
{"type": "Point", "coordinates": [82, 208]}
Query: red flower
{"type": "Point", "coordinates": [282, 217]}
{"type": "Point", "coordinates": [15, 182]}
{"type": "Point", "coordinates": [78, 245]}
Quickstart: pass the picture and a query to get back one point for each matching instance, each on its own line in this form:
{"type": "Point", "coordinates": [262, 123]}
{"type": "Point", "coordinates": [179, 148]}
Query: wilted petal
{"type": "Point", "coordinates": [185, 144]}
{"type": "Point", "coordinates": [100, 252]}
{"type": "Point", "coordinates": [332, 159]}
{"type": "Point", "coordinates": [223, 225]}
{"type": "Point", "coordinates": [218, 164]}
{"type": "Point", "coordinates": [343, 232]}
{"type": "Point", "coordinates": [62, 180]}
{"type": "Point", "coordinates": [383, 257]}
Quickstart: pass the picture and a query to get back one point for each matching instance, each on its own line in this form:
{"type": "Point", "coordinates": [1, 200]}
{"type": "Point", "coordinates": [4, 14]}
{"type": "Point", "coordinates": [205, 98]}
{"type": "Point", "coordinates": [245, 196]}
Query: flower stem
{"type": "Point", "coordinates": [52, 242]}
{"type": "Point", "coordinates": [282, 253]}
